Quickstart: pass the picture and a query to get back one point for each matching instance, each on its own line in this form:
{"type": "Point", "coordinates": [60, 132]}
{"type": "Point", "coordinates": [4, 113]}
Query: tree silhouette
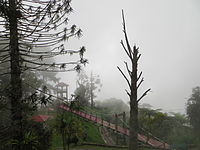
{"type": "Point", "coordinates": [134, 83]}
{"type": "Point", "coordinates": [87, 86]}
{"type": "Point", "coordinates": [193, 110]}
{"type": "Point", "coordinates": [24, 26]}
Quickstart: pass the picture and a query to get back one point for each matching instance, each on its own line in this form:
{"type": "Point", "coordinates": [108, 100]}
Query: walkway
{"type": "Point", "coordinates": [153, 142]}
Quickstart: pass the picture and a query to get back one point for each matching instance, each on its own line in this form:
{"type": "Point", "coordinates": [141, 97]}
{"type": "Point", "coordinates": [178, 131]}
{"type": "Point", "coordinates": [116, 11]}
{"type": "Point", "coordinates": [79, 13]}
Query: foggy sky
{"type": "Point", "coordinates": [168, 34]}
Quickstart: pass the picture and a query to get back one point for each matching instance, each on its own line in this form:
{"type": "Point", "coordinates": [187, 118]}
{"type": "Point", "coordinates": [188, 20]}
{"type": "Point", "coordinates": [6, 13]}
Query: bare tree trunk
{"type": "Point", "coordinates": [134, 81]}
{"type": "Point", "coordinates": [91, 91]}
{"type": "Point", "coordinates": [92, 99]}
{"type": "Point", "coordinates": [133, 141]}
{"type": "Point", "coordinates": [16, 87]}
{"type": "Point", "coordinates": [68, 142]}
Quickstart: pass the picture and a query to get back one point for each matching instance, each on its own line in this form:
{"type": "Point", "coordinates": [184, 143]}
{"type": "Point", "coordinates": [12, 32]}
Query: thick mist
{"type": "Point", "coordinates": [167, 33]}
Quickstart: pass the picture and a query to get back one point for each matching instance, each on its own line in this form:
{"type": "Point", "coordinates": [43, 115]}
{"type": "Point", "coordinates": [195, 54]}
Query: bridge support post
{"type": "Point", "coordinates": [124, 121]}
{"type": "Point", "coordinates": [116, 122]}
{"type": "Point", "coordinates": [116, 129]}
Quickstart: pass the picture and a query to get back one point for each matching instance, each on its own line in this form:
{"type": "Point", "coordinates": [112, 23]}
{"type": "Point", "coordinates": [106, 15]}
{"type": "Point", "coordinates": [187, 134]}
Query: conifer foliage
{"type": "Point", "coordinates": [38, 24]}
{"type": "Point", "coordinates": [26, 28]}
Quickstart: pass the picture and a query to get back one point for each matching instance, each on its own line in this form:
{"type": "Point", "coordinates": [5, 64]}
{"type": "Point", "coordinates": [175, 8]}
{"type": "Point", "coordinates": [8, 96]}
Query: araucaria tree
{"type": "Point", "coordinates": [24, 26]}
{"type": "Point", "coordinates": [134, 81]}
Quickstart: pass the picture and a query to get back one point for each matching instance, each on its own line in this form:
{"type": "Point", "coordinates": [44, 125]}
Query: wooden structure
{"type": "Point", "coordinates": [123, 115]}
{"type": "Point", "coordinates": [154, 142]}
{"type": "Point", "coordinates": [62, 90]}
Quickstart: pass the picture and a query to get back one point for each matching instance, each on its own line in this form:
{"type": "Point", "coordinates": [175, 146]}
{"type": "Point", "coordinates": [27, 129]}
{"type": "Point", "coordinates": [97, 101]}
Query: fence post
{"type": "Point", "coordinates": [91, 116]}
{"type": "Point", "coordinates": [102, 120]}
{"type": "Point", "coordinates": [116, 122]}
{"type": "Point", "coordinates": [96, 118]}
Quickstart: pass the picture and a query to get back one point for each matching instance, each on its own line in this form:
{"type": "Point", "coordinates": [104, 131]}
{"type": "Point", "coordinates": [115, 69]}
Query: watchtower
{"type": "Point", "coordinates": [62, 90]}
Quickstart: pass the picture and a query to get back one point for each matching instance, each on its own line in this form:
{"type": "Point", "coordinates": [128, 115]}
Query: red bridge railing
{"type": "Point", "coordinates": [153, 142]}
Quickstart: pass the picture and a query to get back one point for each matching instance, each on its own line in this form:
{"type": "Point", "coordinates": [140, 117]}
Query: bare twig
{"type": "Point", "coordinates": [139, 76]}
{"type": "Point", "coordinates": [129, 72]}
{"type": "Point", "coordinates": [125, 34]}
{"type": "Point", "coordinates": [124, 77]}
{"type": "Point", "coordinates": [138, 57]}
{"type": "Point", "coordinates": [128, 93]}
{"type": "Point", "coordinates": [144, 94]}
{"type": "Point", "coordinates": [129, 55]}
{"type": "Point", "coordinates": [142, 80]}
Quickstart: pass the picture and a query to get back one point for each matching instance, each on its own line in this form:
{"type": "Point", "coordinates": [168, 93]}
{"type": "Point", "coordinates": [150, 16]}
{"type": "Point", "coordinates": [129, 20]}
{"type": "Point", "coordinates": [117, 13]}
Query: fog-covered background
{"type": "Point", "coordinates": [168, 34]}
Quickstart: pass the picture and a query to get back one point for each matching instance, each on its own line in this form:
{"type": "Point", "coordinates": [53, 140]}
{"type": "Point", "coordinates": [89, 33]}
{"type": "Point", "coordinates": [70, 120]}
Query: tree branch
{"type": "Point", "coordinates": [140, 83]}
{"type": "Point", "coordinates": [139, 76]}
{"type": "Point", "coordinates": [129, 72]}
{"type": "Point", "coordinates": [125, 49]}
{"type": "Point", "coordinates": [126, 36]}
{"type": "Point", "coordinates": [138, 57]}
{"type": "Point", "coordinates": [144, 94]}
{"type": "Point", "coordinates": [124, 77]}
{"type": "Point", "coordinates": [128, 93]}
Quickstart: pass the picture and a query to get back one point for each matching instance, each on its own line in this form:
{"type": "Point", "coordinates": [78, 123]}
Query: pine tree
{"type": "Point", "coordinates": [24, 26]}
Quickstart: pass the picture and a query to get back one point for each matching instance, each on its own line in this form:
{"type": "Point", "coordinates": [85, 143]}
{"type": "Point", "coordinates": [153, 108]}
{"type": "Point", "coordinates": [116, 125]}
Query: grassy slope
{"type": "Point", "coordinates": [56, 141]}
{"type": "Point", "coordinates": [93, 135]}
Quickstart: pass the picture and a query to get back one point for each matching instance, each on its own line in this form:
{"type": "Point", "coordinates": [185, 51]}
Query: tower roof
{"type": "Point", "coordinates": [62, 84]}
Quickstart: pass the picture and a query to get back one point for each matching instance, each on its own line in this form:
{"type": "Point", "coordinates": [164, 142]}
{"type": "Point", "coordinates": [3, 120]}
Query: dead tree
{"type": "Point", "coordinates": [24, 26]}
{"type": "Point", "coordinates": [134, 81]}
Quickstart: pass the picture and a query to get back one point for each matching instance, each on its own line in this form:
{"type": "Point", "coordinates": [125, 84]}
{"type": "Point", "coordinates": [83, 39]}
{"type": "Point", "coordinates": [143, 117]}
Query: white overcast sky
{"type": "Point", "coordinates": [168, 34]}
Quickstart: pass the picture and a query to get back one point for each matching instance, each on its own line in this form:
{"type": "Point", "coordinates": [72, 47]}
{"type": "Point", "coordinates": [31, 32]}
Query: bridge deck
{"type": "Point", "coordinates": [153, 142]}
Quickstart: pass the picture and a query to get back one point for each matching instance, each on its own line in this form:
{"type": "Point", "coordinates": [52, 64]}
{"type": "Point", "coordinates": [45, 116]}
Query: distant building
{"type": "Point", "coordinates": [62, 90]}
